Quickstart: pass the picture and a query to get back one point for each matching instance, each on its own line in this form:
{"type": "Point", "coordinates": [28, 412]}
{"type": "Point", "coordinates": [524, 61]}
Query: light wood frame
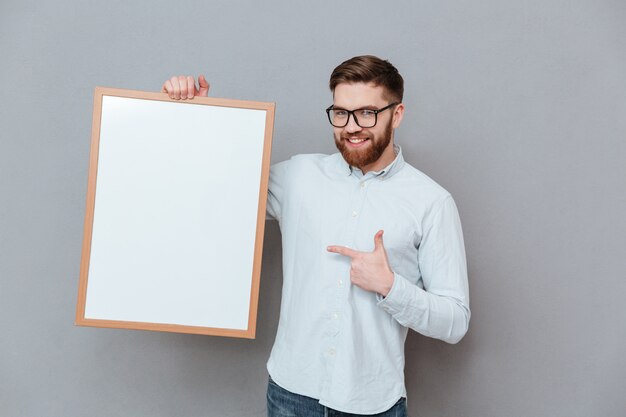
{"type": "Point", "coordinates": [84, 300]}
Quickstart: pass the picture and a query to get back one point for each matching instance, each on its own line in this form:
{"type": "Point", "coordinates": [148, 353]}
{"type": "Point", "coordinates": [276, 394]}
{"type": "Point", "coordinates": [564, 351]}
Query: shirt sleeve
{"type": "Point", "coordinates": [276, 189]}
{"type": "Point", "coordinates": [441, 309]}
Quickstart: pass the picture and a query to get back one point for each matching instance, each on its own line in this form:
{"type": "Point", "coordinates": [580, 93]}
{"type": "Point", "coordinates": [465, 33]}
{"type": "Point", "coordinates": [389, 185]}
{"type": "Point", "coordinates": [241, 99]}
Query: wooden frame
{"type": "Point", "coordinates": [173, 238]}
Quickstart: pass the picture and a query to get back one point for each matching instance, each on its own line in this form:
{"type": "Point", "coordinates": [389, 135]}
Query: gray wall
{"type": "Point", "coordinates": [517, 107]}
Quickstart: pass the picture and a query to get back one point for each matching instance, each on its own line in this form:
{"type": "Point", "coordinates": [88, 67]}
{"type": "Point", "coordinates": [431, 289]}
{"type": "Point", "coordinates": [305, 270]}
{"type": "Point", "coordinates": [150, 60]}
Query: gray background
{"type": "Point", "coordinates": [517, 107]}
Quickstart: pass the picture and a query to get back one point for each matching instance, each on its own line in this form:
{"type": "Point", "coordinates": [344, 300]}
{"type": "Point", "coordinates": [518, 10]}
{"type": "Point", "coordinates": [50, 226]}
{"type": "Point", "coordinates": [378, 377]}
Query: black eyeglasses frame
{"type": "Point", "coordinates": [356, 120]}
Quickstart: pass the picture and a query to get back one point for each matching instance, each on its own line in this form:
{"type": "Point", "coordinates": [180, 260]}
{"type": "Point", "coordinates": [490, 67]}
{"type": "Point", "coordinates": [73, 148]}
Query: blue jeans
{"type": "Point", "coordinates": [283, 403]}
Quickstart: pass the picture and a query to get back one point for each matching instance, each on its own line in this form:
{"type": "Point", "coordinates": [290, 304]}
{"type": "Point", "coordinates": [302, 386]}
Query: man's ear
{"type": "Point", "coordinates": [398, 114]}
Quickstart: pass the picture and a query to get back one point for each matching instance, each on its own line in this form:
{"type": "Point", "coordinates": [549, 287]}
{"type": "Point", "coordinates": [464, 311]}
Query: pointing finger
{"type": "Point", "coordinates": [342, 250]}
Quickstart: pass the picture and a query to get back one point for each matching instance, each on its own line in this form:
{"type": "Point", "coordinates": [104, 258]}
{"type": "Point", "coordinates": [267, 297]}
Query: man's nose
{"type": "Point", "coordinates": [352, 125]}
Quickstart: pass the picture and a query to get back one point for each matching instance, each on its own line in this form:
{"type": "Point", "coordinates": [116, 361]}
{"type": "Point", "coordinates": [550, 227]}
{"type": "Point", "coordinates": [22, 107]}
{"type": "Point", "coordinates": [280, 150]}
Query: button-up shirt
{"type": "Point", "coordinates": [335, 341]}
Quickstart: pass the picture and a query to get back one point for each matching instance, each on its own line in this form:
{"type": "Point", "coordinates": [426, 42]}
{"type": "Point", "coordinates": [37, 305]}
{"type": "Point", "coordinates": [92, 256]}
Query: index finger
{"type": "Point", "coordinates": [191, 86]}
{"type": "Point", "coordinates": [342, 250]}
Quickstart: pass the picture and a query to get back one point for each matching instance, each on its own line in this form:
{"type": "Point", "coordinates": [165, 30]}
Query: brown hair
{"type": "Point", "coordinates": [369, 69]}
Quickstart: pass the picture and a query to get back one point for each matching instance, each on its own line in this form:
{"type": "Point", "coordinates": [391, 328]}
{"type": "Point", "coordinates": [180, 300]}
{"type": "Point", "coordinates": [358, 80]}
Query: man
{"type": "Point", "coordinates": [371, 247]}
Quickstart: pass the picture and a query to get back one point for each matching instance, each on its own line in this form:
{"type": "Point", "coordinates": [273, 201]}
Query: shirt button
{"type": "Point", "coordinates": [354, 213]}
{"type": "Point", "coordinates": [340, 282]}
{"type": "Point", "coordinates": [335, 316]}
{"type": "Point", "coordinates": [362, 185]}
{"type": "Point", "coordinates": [331, 351]}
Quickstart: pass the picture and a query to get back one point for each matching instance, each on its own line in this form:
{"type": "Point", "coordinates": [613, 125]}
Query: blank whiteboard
{"type": "Point", "coordinates": [175, 213]}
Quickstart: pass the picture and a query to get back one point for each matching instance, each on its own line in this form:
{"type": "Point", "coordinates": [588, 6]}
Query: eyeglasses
{"type": "Point", "coordinates": [363, 117]}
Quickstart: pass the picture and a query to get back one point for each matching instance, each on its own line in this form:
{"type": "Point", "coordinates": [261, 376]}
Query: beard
{"type": "Point", "coordinates": [370, 154]}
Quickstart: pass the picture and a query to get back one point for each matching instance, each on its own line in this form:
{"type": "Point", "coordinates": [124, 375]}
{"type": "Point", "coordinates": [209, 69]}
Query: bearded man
{"type": "Point", "coordinates": [349, 297]}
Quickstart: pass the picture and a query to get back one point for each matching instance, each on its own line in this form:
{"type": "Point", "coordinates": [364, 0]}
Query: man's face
{"type": "Point", "coordinates": [363, 147]}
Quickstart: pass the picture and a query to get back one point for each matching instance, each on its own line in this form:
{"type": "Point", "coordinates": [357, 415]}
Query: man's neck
{"type": "Point", "coordinates": [385, 159]}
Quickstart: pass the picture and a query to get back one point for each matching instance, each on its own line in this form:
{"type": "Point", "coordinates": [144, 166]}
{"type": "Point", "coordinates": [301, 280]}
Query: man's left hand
{"type": "Point", "coordinates": [369, 270]}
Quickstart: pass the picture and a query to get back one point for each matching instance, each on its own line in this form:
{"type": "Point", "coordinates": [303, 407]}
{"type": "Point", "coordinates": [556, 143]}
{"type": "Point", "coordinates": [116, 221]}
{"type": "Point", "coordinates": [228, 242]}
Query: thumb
{"type": "Point", "coordinates": [204, 86]}
{"type": "Point", "coordinates": [378, 241]}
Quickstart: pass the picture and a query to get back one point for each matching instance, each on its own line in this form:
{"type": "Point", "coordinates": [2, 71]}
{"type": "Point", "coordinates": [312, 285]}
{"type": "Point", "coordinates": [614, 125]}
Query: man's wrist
{"type": "Point", "coordinates": [388, 284]}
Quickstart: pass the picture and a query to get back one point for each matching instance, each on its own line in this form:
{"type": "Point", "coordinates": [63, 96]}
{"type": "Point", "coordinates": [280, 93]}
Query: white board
{"type": "Point", "coordinates": [175, 213]}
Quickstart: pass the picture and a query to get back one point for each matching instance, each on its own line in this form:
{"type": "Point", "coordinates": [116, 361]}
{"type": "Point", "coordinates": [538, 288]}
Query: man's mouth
{"type": "Point", "coordinates": [355, 140]}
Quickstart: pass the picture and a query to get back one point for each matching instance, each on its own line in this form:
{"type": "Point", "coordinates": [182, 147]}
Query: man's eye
{"type": "Point", "coordinates": [341, 113]}
{"type": "Point", "coordinates": [366, 113]}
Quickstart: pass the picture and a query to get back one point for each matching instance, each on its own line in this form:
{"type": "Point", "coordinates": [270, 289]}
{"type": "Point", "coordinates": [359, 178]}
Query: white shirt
{"type": "Point", "coordinates": [335, 341]}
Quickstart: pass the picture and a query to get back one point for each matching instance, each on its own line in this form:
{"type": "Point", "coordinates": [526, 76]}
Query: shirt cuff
{"type": "Point", "coordinates": [396, 300]}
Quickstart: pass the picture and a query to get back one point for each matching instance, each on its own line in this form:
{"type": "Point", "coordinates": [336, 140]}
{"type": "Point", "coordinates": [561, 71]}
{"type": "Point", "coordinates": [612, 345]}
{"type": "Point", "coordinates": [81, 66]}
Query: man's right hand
{"type": "Point", "coordinates": [183, 87]}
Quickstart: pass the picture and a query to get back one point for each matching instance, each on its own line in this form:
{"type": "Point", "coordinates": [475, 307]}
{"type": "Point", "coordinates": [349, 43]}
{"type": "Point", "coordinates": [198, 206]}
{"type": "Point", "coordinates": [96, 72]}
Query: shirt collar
{"type": "Point", "coordinates": [388, 171]}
